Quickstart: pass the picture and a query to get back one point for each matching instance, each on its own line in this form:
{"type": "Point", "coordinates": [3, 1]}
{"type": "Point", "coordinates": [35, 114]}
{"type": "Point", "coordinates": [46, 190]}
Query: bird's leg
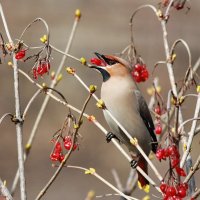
{"type": "Point", "coordinates": [134, 162]}
{"type": "Point", "coordinates": [110, 136]}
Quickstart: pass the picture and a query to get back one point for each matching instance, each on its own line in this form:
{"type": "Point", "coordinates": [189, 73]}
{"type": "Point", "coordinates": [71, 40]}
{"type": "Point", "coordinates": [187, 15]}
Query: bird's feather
{"type": "Point", "coordinates": [146, 116]}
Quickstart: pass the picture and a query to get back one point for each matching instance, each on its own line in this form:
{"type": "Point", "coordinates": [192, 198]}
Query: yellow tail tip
{"type": "Point", "coordinates": [146, 187]}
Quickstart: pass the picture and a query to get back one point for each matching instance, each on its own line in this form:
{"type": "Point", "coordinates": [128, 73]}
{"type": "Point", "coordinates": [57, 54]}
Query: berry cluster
{"type": "Point", "coordinates": [174, 192]}
{"type": "Point", "coordinates": [20, 54]}
{"type": "Point", "coordinates": [57, 154]}
{"type": "Point", "coordinates": [140, 73]}
{"type": "Point", "coordinates": [170, 191]}
{"type": "Point", "coordinates": [42, 68]}
{"type": "Point", "coordinates": [97, 61]}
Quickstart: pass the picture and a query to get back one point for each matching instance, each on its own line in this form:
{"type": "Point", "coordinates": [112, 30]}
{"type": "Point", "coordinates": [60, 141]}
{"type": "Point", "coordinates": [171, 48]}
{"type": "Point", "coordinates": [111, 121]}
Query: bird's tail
{"type": "Point", "coordinates": [143, 183]}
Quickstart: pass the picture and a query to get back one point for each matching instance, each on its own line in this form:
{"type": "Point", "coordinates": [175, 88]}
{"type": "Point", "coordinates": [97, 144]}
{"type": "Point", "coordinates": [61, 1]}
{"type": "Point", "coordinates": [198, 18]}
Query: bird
{"type": "Point", "coordinates": [125, 102]}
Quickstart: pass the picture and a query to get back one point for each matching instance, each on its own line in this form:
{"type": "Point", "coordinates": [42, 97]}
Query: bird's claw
{"type": "Point", "coordinates": [110, 136]}
{"type": "Point", "coordinates": [133, 163]}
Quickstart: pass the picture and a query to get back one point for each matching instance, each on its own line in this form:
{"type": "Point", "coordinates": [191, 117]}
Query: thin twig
{"type": "Point", "coordinates": [193, 170]}
{"type": "Point", "coordinates": [4, 191]}
{"type": "Point", "coordinates": [30, 102]}
{"type": "Point", "coordinates": [4, 116]}
{"type": "Point", "coordinates": [195, 194]}
{"type": "Point", "coordinates": [191, 133]}
{"type": "Point", "coordinates": [104, 181]}
{"type": "Point", "coordinates": [117, 179]}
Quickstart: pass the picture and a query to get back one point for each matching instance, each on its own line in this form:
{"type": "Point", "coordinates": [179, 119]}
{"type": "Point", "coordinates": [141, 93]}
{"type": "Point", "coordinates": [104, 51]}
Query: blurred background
{"type": "Point", "coordinates": [104, 27]}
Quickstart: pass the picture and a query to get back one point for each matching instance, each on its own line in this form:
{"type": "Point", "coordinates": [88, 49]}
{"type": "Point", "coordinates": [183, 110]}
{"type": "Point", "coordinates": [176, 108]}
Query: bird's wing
{"type": "Point", "coordinates": [146, 116]}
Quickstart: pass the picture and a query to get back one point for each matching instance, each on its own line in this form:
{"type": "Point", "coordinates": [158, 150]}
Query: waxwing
{"type": "Point", "coordinates": [126, 103]}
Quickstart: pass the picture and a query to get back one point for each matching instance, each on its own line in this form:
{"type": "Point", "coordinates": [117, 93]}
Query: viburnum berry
{"type": "Point", "coordinates": [158, 129]}
{"type": "Point", "coordinates": [173, 151]}
{"type": "Point", "coordinates": [171, 191]}
{"type": "Point", "coordinates": [160, 154]}
{"type": "Point", "coordinates": [175, 162]}
{"type": "Point", "coordinates": [61, 158]}
{"type": "Point", "coordinates": [55, 156]}
{"type": "Point", "coordinates": [68, 143]}
{"type": "Point", "coordinates": [58, 147]}
{"type": "Point", "coordinates": [182, 192]}
{"type": "Point", "coordinates": [157, 110]}
{"type": "Point", "coordinates": [97, 62]}
{"type": "Point", "coordinates": [136, 76]}
{"type": "Point", "coordinates": [20, 54]}
{"type": "Point", "coordinates": [180, 171]}
{"type": "Point", "coordinates": [163, 187]}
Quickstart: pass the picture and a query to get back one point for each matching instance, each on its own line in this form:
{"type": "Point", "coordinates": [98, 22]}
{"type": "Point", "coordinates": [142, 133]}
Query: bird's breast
{"type": "Point", "coordinates": [120, 100]}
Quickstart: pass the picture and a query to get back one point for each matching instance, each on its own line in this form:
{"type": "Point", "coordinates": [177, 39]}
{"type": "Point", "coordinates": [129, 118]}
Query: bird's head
{"type": "Point", "coordinates": [111, 66]}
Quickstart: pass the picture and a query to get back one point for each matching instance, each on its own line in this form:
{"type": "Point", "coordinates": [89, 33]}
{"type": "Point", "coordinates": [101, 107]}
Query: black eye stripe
{"type": "Point", "coordinates": [109, 61]}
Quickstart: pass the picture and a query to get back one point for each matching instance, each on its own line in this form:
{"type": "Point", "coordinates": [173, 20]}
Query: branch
{"type": "Point", "coordinates": [191, 133]}
{"type": "Point", "coordinates": [4, 191]}
{"type": "Point", "coordinates": [192, 170]}
{"type": "Point", "coordinates": [93, 172]}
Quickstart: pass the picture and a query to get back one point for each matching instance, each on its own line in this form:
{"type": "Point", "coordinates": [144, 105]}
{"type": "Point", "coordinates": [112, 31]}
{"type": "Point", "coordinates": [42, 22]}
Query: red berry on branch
{"type": "Point", "coordinates": [175, 162]}
{"type": "Point", "coordinates": [61, 158]}
{"type": "Point", "coordinates": [58, 147]}
{"type": "Point", "coordinates": [20, 54]}
{"type": "Point", "coordinates": [171, 191]}
{"type": "Point", "coordinates": [182, 192]}
{"type": "Point", "coordinates": [136, 76]}
{"type": "Point", "coordinates": [144, 75]}
{"type": "Point", "coordinates": [138, 67]}
{"type": "Point", "coordinates": [163, 187]}
{"type": "Point", "coordinates": [160, 154]}
{"type": "Point", "coordinates": [158, 129]}
{"type": "Point", "coordinates": [180, 171]}
{"type": "Point", "coordinates": [55, 156]}
{"type": "Point", "coordinates": [157, 110]}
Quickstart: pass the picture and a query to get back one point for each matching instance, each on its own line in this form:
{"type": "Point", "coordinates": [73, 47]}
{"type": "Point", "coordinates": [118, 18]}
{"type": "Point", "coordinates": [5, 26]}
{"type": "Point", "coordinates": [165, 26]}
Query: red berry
{"type": "Point", "coordinates": [61, 158]}
{"type": "Point", "coordinates": [138, 67]}
{"type": "Point", "coordinates": [58, 147]}
{"type": "Point", "coordinates": [157, 110]}
{"type": "Point", "coordinates": [181, 192]}
{"type": "Point", "coordinates": [19, 55]}
{"type": "Point", "coordinates": [184, 185]}
{"type": "Point", "coordinates": [175, 162]}
{"type": "Point", "coordinates": [163, 187]}
{"type": "Point", "coordinates": [136, 76]}
{"type": "Point", "coordinates": [166, 153]}
{"type": "Point", "coordinates": [160, 154]}
{"type": "Point", "coordinates": [68, 144]}
{"type": "Point", "coordinates": [171, 191]}
{"type": "Point", "coordinates": [173, 151]}
{"type": "Point", "coordinates": [158, 129]}
{"type": "Point", "coordinates": [55, 156]}
{"type": "Point", "coordinates": [97, 62]}
{"type": "Point", "coordinates": [144, 75]}
{"type": "Point", "coordinates": [180, 171]}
